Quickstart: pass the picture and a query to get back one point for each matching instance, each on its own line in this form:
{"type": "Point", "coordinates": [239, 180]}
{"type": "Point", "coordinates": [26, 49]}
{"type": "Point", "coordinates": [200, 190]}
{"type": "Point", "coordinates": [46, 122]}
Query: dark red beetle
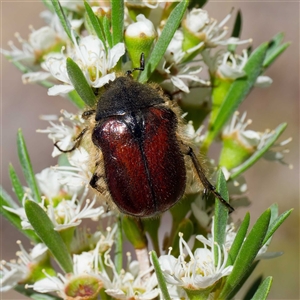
{"type": "Point", "coordinates": [137, 141]}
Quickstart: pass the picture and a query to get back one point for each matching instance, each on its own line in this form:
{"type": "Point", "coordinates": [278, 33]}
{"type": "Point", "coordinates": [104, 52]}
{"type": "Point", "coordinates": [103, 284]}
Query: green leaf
{"type": "Point", "coordinates": [119, 247]}
{"type": "Point", "coordinates": [247, 254]}
{"type": "Point", "coordinates": [237, 93]}
{"type": "Point", "coordinates": [15, 181]}
{"type": "Point", "coordinates": [238, 241]}
{"type": "Point", "coordinates": [51, 238]}
{"type": "Point", "coordinates": [80, 83]}
{"type": "Point", "coordinates": [237, 25]}
{"type": "Point", "coordinates": [6, 200]}
{"type": "Point", "coordinates": [160, 276]}
{"type": "Point", "coordinates": [164, 40]}
{"type": "Point", "coordinates": [263, 290]}
{"type": "Point", "coordinates": [106, 27]}
{"type": "Point", "coordinates": [117, 21]}
{"type": "Point", "coordinates": [221, 212]}
{"type": "Point", "coordinates": [253, 288]}
{"type": "Point", "coordinates": [275, 49]}
{"type": "Point", "coordinates": [75, 99]}
{"type": "Point", "coordinates": [221, 215]}
{"type": "Point", "coordinates": [63, 20]}
{"type": "Point", "coordinates": [243, 279]}
{"type": "Point", "coordinates": [95, 23]}
{"type": "Point", "coordinates": [134, 232]}
{"type": "Point", "coordinates": [259, 153]}
{"type": "Point", "coordinates": [26, 166]}
{"type": "Point", "coordinates": [275, 224]}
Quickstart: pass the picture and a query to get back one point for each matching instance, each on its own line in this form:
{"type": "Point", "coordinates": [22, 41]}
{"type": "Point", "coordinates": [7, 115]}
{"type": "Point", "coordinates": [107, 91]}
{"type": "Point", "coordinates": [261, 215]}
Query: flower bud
{"type": "Point", "coordinates": [139, 37]}
{"type": "Point", "coordinates": [193, 26]}
{"type": "Point", "coordinates": [238, 144]}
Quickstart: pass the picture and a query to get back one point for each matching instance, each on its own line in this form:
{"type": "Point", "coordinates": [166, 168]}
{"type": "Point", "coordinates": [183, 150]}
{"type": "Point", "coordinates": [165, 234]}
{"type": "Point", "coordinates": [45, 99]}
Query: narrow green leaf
{"type": "Point", "coordinates": [258, 154]}
{"type": "Point", "coordinates": [263, 290]}
{"type": "Point", "coordinates": [275, 49]}
{"type": "Point", "coordinates": [253, 288]}
{"type": "Point", "coordinates": [243, 279]}
{"type": "Point", "coordinates": [15, 181]}
{"type": "Point", "coordinates": [164, 40]}
{"type": "Point", "coordinates": [80, 83]}
{"type": "Point", "coordinates": [221, 215]}
{"type": "Point", "coordinates": [238, 241]}
{"type": "Point", "coordinates": [275, 224]}
{"type": "Point", "coordinates": [75, 99]}
{"type": "Point", "coordinates": [26, 166]}
{"type": "Point", "coordinates": [237, 25]}
{"type": "Point", "coordinates": [106, 27]}
{"type": "Point", "coordinates": [117, 21]}
{"type": "Point", "coordinates": [63, 20]}
{"type": "Point", "coordinates": [51, 238]}
{"type": "Point", "coordinates": [160, 276]}
{"type": "Point", "coordinates": [134, 232]}
{"type": "Point", "coordinates": [5, 200]}
{"type": "Point", "coordinates": [119, 247]}
{"type": "Point", "coordinates": [95, 23]}
{"type": "Point", "coordinates": [237, 93]}
{"type": "Point", "coordinates": [221, 212]}
{"type": "Point", "coordinates": [247, 254]}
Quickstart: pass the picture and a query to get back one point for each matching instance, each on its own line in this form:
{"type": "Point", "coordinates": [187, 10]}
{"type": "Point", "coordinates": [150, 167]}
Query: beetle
{"type": "Point", "coordinates": [138, 149]}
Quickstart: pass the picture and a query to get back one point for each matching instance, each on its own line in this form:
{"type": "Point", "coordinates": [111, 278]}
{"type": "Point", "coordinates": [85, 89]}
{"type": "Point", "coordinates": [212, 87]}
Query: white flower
{"type": "Point", "coordinates": [200, 271]}
{"type": "Point", "coordinates": [254, 140]}
{"type": "Point", "coordinates": [66, 214]}
{"type": "Point", "coordinates": [90, 55]}
{"type": "Point", "coordinates": [208, 29]}
{"type": "Point", "coordinates": [15, 272]}
{"type": "Point", "coordinates": [129, 284]}
{"type": "Point", "coordinates": [84, 239]}
{"type": "Point", "coordinates": [84, 277]}
{"type": "Point", "coordinates": [62, 133]}
{"type": "Point", "coordinates": [232, 65]}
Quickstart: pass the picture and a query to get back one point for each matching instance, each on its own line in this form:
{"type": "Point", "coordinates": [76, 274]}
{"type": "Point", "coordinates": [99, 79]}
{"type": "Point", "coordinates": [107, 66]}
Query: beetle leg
{"type": "Point", "coordinates": [207, 185]}
{"type": "Point", "coordinates": [94, 183]}
{"type": "Point", "coordinates": [86, 114]}
{"type": "Point", "coordinates": [77, 142]}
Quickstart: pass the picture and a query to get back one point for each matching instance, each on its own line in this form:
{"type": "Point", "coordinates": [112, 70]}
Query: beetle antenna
{"type": "Point", "coordinates": [207, 185]}
{"type": "Point", "coordinates": [141, 68]}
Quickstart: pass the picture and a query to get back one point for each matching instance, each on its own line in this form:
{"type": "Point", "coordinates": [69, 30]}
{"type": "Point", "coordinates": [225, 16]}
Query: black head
{"type": "Point", "coordinates": [125, 95]}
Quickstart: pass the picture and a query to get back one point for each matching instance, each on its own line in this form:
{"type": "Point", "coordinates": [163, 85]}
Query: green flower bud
{"type": "Point", "coordinates": [193, 26]}
{"type": "Point", "coordinates": [139, 37]}
{"type": "Point", "coordinates": [134, 233]}
{"type": "Point", "coordinates": [238, 144]}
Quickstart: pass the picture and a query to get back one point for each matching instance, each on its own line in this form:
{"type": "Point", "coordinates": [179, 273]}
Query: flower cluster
{"type": "Point", "coordinates": [196, 68]}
